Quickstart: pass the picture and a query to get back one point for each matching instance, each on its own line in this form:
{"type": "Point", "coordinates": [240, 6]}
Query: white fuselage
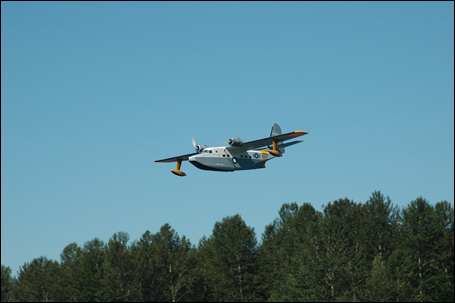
{"type": "Point", "coordinates": [227, 159]}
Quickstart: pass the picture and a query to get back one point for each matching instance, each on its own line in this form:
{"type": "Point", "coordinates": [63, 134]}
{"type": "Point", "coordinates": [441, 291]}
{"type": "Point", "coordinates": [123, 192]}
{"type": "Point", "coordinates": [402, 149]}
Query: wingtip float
{"type": "Point", "coordinates": [238, 155]}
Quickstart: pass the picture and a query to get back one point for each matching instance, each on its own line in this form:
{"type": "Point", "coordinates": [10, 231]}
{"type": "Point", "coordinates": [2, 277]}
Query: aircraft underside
{"type": "Point", "coordinates": [220, 160]}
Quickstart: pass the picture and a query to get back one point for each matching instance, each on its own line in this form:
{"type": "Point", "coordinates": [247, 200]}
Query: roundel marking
{"type": "Point", "coordinates": [234, 160]}
{"type": "Point", "coordinates": [256, 155]}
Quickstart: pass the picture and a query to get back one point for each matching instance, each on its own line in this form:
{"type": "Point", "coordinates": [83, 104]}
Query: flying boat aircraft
{"type": "Point", "coordinates": [238, 155]}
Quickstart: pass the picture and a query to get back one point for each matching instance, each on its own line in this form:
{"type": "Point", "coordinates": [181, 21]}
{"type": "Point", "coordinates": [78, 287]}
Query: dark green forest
{"type": "Point", "coordinates": [349, 251]}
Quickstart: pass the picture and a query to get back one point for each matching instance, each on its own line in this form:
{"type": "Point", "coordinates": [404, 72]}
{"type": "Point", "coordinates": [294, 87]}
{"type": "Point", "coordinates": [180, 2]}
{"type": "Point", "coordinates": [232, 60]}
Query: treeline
{"type": "Point", "coordinates": [348, 252]}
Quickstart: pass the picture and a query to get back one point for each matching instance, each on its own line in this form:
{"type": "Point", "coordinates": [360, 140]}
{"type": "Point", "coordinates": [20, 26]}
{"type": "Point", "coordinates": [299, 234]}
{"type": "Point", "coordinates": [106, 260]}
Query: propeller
{"type": "Point", "coordinates": [194, 142]}
{"type": "Point", "coordinates": [231, 141]}
{"type": "Point", "coordinates": [198, 148]}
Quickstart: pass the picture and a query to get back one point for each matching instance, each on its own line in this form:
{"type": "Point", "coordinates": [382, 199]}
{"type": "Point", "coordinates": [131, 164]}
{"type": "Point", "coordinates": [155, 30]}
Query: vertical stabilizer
{"type": "Point", "coordinates": [276, 131]}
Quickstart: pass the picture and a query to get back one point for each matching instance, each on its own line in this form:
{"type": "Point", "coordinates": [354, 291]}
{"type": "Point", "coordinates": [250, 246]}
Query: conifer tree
{"type": "Point", "coordinates": [176, 263]}
{"type": "Point", "coordinates": [420, 232]}
{"type": "Point", "coordinates": [229, 260]}
{"type": "Point", "coordinates": [118, 267]}
{"type": "Point", "coordinates": [145, 275]}
{"type": "Point", "coordinates": [70, 266]}
{"type": "Point", "coordinates": [91, 280]}
{"type": "Point", "coordinates": [38, 281]}
{"type": "Point", "coordinates": [7, 284]}
{"type": "Point", "coordinates": [166, 265]}
{"type": "Point", "coordinates": [381, 222]}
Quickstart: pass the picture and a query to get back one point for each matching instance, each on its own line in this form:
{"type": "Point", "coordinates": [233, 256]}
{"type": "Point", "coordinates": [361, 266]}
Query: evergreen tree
{"type": "Point", "coordinates": [229, 259]}
{"type": "Point", "coordinates": [174, 264]}
{"type": "Point", "coordinates": [91, 279]}
{"type": "Point", "coordinates": [400, 269]}
{"type": "Point", "coordinates": [165, 266]}
{"type": "Point", "coordinates": [283, 254]}
{"type": "Point", "coordinates": [381, 222]}
{"type": "Point", "coordinates": [7, 284]}
{"type": "Point", "coordinates": [307, 274]}
{"type": "Point", "coordinates": [390, 280]}
{"type": "Point", "coordinates": [378, 288]}
{"type": "Point", "coordinates": [341, 257]}
{"type": "Point", "coordinates": [347, 252]}
{"type": "Point", "coordinates": [379, 231]}
{"type": "Point", "coordinates": [419, 228]}
{"type": "Point", "coordinates": [443, 252]}
{"type": "Point", "coordinates": [38, 281]}
{"type": "Point", "coordinates": [70, 265]}
{"type": "Point", "coordinates": [118, 267]}
{"type": "Point", "coordinates": [274, 253]}
{"type": "Point", "coordinates": [143, 260]}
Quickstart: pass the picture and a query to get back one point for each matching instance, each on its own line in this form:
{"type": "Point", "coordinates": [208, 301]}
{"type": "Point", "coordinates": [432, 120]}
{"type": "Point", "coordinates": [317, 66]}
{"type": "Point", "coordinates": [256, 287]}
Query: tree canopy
{"type": "Point", "coordinates": [349, 251]}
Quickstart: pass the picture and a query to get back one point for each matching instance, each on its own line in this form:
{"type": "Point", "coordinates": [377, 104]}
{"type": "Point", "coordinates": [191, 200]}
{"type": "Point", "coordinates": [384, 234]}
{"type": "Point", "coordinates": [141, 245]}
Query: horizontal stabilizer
{"type": "Point", "coordinates": [289, 144]}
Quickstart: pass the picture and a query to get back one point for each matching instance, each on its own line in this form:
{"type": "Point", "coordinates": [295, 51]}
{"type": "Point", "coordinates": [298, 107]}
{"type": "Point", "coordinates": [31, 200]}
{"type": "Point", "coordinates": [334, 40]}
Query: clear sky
{"type": "Point", "coordinates": [93, 92]}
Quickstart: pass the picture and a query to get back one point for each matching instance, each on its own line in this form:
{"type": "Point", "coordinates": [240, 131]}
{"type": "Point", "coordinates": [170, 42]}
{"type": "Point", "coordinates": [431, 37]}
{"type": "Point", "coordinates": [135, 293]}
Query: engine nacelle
{"type": "Point", "coordinates": [200, 148]}
{"type": "Point", "coordinates": [235, 142]}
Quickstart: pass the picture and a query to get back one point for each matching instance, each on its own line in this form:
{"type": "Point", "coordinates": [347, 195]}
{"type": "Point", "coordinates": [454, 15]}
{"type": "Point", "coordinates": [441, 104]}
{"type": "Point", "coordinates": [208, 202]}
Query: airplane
{"type": "Point", "coordinates": [238, 155]}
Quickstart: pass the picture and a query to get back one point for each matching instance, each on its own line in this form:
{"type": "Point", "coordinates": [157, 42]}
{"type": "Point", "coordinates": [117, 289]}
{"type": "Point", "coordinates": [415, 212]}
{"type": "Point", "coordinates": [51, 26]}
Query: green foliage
{"type": "Point", "coordinates": [286, 243]}
{"type": "Point", "coordinates": [92, 276]}
{"type": "Point", "coordinates": [38, 281]}
{"type": "Point", "coordinates": [347, 252]}
{"type": "Point", "coordinates": [70, 268]}
{"type": "Point", "coordinates": [165, 267]}
{"type": "Point", "coordinates": [118, 269]}
{"type": "Point", "coordinates": [380, 225]}
{"type": "Point", "coordinates": [428, 234]}
{"type": "Point", "coordinates": [173, 264]}
{"type": "Point", "coordinates": [229, 261]}
{"type": "Point", "coordinates": [7, 284]}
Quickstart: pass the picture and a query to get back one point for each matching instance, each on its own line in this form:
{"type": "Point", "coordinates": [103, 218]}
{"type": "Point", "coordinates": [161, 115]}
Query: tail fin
{"type": "Point", "coordinates": [276, 131]}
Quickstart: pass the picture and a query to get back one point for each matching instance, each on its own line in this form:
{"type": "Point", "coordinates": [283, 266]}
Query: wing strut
{"type": "Point", "coordinates": [274, 151]}
{"type": "Point", "coordinates": [177, 171]}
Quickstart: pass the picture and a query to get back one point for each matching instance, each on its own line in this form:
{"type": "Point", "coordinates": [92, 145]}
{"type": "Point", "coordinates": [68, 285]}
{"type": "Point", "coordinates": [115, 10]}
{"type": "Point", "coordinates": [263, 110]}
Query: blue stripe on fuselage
{"type": "Point", "coordinates": [208, 162]}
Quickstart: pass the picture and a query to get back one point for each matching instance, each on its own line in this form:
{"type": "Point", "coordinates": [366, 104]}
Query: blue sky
{"type": "Point", "coordinates": [93, 93]}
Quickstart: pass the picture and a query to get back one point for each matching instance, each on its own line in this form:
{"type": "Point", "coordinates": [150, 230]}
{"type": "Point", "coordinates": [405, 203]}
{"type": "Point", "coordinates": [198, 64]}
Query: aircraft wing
{"type": "Point", "coordinates": [175, 159]}
{"type": "Point", "coordinates": [267, 141]}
